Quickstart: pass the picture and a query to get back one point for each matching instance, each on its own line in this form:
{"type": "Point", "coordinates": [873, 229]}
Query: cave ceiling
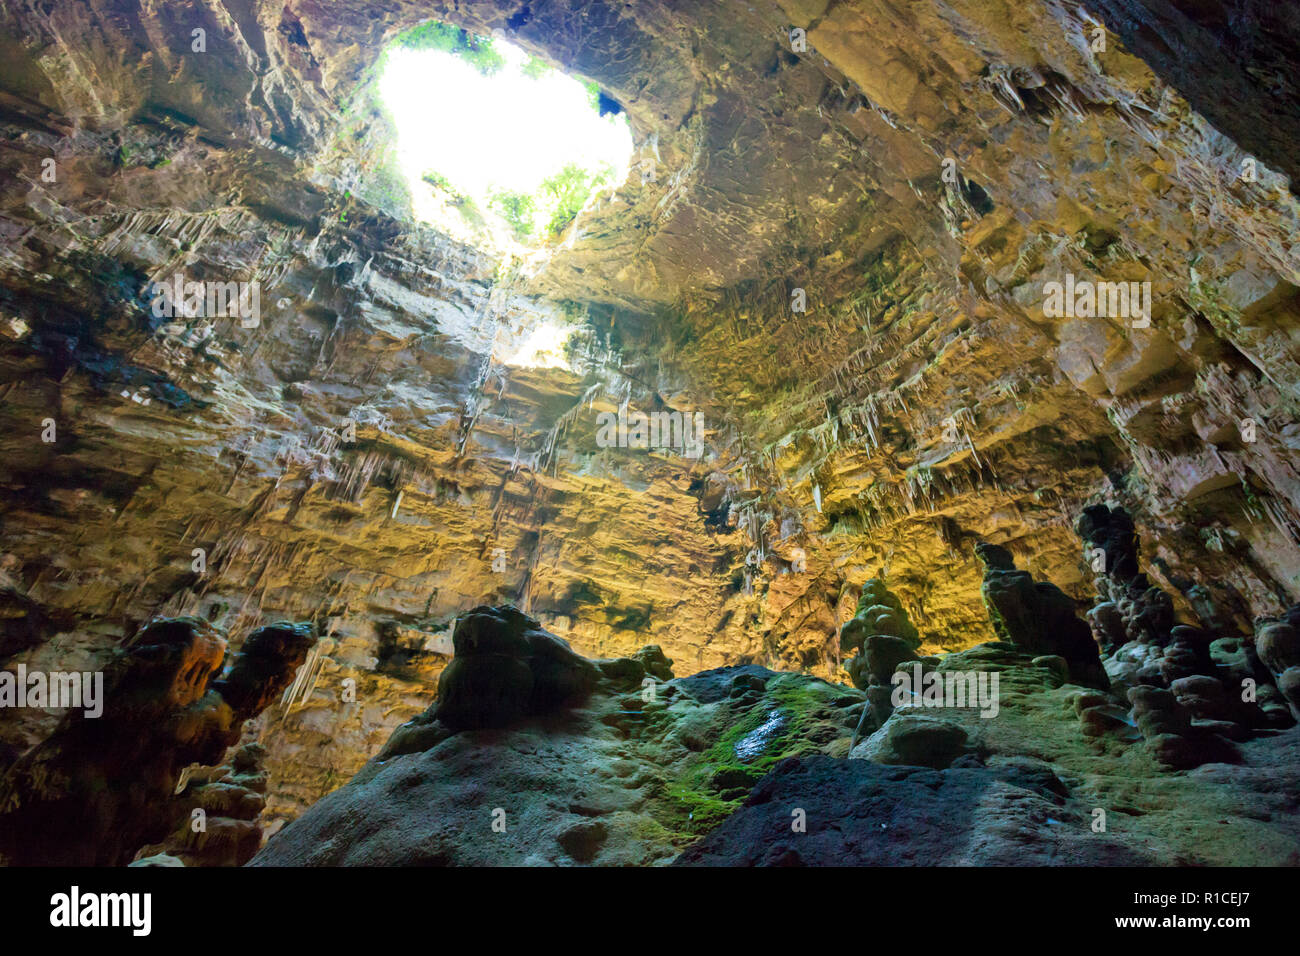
{"type": "Point", "coordinates": [913, 176]}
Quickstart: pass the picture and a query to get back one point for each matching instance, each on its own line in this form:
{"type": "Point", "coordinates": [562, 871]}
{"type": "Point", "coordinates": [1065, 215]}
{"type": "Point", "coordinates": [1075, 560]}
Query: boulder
{"type": "Point", "coordinates": [507, 667]}
{"type": "Point", "coordinates": [916, 740]}
{"type": "Point", "coordinates": [1278, 646]}
{"type": "Point", "coordinates": [1107, 626]}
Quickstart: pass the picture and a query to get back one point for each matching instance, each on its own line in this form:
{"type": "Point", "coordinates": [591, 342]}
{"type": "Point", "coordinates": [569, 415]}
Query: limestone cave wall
{"type": "Point", "coordinates": [839, 258]}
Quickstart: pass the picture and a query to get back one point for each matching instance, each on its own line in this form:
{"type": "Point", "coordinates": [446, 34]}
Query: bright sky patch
{"type": "Point", "coordinates": [518, 144]}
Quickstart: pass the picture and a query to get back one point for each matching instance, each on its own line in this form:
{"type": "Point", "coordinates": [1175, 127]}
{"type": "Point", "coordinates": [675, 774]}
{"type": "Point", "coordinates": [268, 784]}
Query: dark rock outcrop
{"type": "Point", "coordinates": [630, 773]}
{"type": "Point", "coordinates": [1277, 646]}
{"type": "Point", "coordinates": [507, 667]}
{"type": "Point", "coordinates": [100, 788]}
{"type": "Point", "coordinates": [1038, 616]}
{"type": "Point", "coordinates": [1172, 736]}
{"type": "Point", "coordinates": [23, 622]}
{"type": "Point", "coordinates": [1111, 531]}
{"type": "Point", "coordinates": [228, 832]}
{"type": "Point", "coordinates": [856, 813]}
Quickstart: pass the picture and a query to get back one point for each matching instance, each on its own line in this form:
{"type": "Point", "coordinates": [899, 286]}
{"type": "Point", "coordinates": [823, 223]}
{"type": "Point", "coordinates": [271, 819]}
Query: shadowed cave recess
{"type": "Point", "coordinates": [897, 462]}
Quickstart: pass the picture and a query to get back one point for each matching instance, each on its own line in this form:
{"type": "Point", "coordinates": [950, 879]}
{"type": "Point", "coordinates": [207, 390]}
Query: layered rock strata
{"type": "Point", "coordinates": [375, 455]}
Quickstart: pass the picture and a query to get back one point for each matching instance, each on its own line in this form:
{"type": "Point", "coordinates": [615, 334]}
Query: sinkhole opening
{"type": "Point", "coordinates": [495, 140]}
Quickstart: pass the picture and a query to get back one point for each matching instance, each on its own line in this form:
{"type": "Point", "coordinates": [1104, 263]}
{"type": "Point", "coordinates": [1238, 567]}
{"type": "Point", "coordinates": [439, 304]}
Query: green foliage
{"type": "Point", "coordinates": [464, 203]}
{"type": "Point", "coordinates": [567, 191]}
{"type": "Point", "coordinates": [554, 204]}
{"type": "Point", "coordinates": [469, 211]}
{"type": "Point", "coordinates": [714, 783]}
{"type": "Point", "coordinates": [437, 180]}
{"type": "Point", "coordinates": [535, 68]}
{"type": "Point", "coordinates": [518, 209]}
{"type": "Point", "coordinates": [479, 52]}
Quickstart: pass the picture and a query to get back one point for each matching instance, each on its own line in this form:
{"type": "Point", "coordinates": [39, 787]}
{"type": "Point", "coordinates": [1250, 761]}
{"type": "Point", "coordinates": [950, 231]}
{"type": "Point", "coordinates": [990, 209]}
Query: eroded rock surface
{"type": "Point", "coordinates": [102, 785]}
{"type": "Point", "coordinates": [375, 457]}
{"type": "Point", "coordinates": [745, 766]}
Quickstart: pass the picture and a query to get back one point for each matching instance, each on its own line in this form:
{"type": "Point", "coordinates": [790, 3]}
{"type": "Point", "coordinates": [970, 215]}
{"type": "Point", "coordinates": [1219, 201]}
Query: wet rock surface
{"type": "Point", "coordinates": [744, 766]}
{"type": "Point", "coordinates": [368, 459]}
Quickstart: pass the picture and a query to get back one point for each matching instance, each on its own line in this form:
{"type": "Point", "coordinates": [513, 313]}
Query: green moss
{"type": "Point", "coordinates": [479, 52]}
{"type": "Point", "coordinates": [650, 830]}
{"type": "Point", "coordinates": [699, 812]}
{"type": "Point", "coordinates": [693, 802]}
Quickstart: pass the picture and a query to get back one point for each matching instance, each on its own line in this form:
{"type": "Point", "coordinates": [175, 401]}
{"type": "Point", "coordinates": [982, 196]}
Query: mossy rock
{"type": "Point", "coordinates": [803, 715]}
{"type": "Point", "coordinates": [884, 653]}
{"type": "Point", "coordinates": [875, 592]}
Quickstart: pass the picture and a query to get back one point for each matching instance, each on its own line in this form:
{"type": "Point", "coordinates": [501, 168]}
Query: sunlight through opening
{"type": "Point", "coordinates": [496, 137]}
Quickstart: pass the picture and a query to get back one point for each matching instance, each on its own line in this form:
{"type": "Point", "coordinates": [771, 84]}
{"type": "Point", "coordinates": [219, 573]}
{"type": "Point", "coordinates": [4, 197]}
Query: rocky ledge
{"type": "Point", "coordinates": [534, 755]}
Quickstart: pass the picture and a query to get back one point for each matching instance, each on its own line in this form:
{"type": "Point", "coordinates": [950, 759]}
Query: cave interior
{"type": "Point", "coordinates": [904, 439]}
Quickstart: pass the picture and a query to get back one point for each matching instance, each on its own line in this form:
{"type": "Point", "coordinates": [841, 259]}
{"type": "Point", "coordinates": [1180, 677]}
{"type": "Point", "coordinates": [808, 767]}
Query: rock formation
{"type": "Point", "coordinates": [845, 241]}
{"type": "Point", "coordinates": [507, 667]}
{"type": "Point", "coordinates": [228, 832]}
{"type": "Point", "coordinates": [744, 766]}
{"type": "Point", "coordinates": [101, 786]}
{"type": "Point", "coordinates": [627, 770]}
{"type": "Point", "coordinates": [1192, 691]}
{"type": "Point", "coordinates": [1037, 616]}
{"type": "Point", "coordinates": [883, 638]}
